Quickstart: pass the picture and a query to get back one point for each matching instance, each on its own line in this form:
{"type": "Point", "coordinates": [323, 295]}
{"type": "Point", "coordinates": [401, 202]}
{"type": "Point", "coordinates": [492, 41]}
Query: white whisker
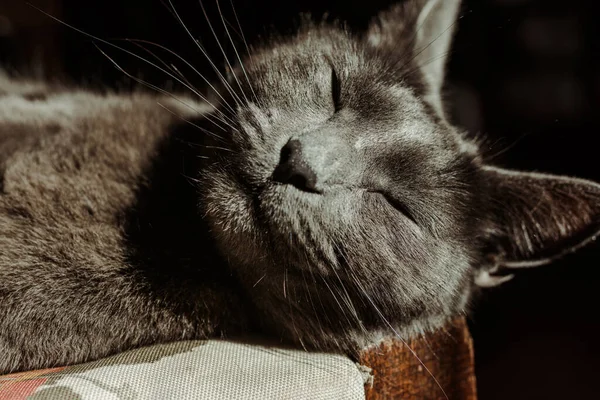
{"type": "Point", "coordinates": [189, 65]}
{"type": "Point", "coordinates": [429, 44]}
{"type": "Point", "coordinates": [235, 50]}
{"type": "Point", "coordinates": [222, 49]}
{"type": "Point", "coordinates": [171, 66]}
{"type": "Point", "coordinates": [195, 91]}
{"type": "Point", "coordinates": [190, 122]}
{"type": "Point", "coordinates": [203, 51]}
{"type": "Point", "coordinates": [357, 282]}
{"type": "Point", "coordinates": [241, 33]}
{"type": "Point", "coordinates": [154, 87]}
{"type": "Point", "coordinates": [284, 282]}
{"type": "Point", "coordinates": [310, 299]}
{"type": "Point", "coordinates": [259, 279]}
{"type": "Point", "coordinates": [431, 60]}
{"type": "Point", "coordinates": [342, 308]}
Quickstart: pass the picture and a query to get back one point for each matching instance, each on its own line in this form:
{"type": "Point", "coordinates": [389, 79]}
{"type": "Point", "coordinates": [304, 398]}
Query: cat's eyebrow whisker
{"type": "Point", "coordinates": [126, 51]}
{"type": "Point", "coordinates": [196, 92]}
{"type": "Point", "coordinates": [357, 282]}
{"type": "Point", "coordinates": [189, 65]}
{"type": "Point", "coordinates": [217, 148]}
{"type": "Point", "coordinates": [190, 122]}
{"type": "Point", "coordinates": [235, 49]}
{"type": "Point", "coordinates": [222, 49]}
{"type": "Point", "coordinates": [171, 10]}
{"type": "Point", "coordinates": [203, 51]}
{"type": "Point", "coordinates": [172, 67]}
{"type": "Point", "coordinates": [154, 87]}
{"type": "Point", "coordinates": [223, 117]}
{"type": "Point", "coordinates": [234, 29]}
{"type": "Point", "coordinates": [178, 72]}
{"type": "Point", "coordinates": [241, 33]}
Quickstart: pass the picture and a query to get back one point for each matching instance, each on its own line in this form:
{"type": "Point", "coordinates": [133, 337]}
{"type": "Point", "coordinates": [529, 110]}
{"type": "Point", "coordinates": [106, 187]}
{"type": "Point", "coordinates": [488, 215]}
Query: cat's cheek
{"type": "Point", "coordinates": [228, 211]}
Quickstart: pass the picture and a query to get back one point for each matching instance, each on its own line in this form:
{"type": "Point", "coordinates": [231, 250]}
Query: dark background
{"type": "Point", "coordinates": [526, 73]}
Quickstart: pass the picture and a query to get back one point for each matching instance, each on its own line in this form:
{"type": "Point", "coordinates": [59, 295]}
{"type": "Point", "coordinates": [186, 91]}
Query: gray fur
{"type": "Point", "coordinates": [123, 225]}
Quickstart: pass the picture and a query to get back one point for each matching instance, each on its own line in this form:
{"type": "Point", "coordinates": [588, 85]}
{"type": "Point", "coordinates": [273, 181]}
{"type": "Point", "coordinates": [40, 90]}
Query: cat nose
{"type": "Point", "coordinates": [293, 168]}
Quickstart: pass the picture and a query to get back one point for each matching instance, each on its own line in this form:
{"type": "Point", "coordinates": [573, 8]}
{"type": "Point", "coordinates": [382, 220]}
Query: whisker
{"type": "Point", "coordinates": [203, 51]}
{"type": "Point", "coordinates": [312, 274]}
{"type": "Point", "coordinates": [241, 31]}
{"type": "Point", "coordinates": [349, 306]}
{"type": "Point", "coordinates": [189, 65]}
{"type": "Point", "coordinates": [154, 87]}
{"type": "Point", "coordinates": [357, 282]}
{"type": "Point", "coordinates": [259, 279]}
{"type": "Point", "coordinates": [126, 51]}
{"type": "Point", "coordinates": [310, 298]}
{"type": "Point", "coordinates": [218, 148]}
{"type": "Point", "coordinates": [234, 29]}
{"type": "Point", "coordinates": [349, 302]}
{"type": "Point", "coordinates": [168, 8]}
{"type": "Point", "coordinates": [492, 157]}
{"type": "Point", "coordinates": [342, 308]}
{"type": "Point", "coordinates": [221, 47]}
{"type": "Point", "coordinates": [355, 312]}
{"type": "Point", "coordinates": [284, 282]}
{"type": "Point", "coordinates": [235, 49]}
{"type": "Point", "coordinates": [190, 122]}
{"type": "Point", "coordinates": [430, 43]}
{"type": "Point", "coordinates": [431, 60]}
{"type": "Point", "coordinates": [172, 67]}
{"type": "Point", "coordinates": [413, 40]}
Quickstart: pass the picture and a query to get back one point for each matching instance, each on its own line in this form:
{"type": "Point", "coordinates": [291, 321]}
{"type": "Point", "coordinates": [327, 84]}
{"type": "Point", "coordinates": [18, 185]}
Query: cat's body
{"type": "Point", "coordinates": [327, 203]}
{"type": "Point", "coordinates": [82, 238]}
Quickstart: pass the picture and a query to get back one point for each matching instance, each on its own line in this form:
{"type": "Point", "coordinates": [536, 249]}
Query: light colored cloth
{"type": "Point", "coordinates": [211, 370]}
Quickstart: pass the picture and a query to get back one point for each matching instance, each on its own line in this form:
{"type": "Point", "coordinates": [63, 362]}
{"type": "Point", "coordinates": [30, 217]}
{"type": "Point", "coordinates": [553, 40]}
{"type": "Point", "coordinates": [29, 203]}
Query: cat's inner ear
{"type": "Point", "coordinates": [536, 218]}
{"type": "Point", "coordinates": [417, 34]}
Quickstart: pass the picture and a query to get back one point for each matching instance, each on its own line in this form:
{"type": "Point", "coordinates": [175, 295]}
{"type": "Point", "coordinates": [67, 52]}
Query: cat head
{"type": "Point", "coordinates": [346, 202]}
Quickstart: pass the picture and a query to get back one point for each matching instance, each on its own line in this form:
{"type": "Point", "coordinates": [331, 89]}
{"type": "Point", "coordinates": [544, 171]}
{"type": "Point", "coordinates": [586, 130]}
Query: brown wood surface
{"type": "Point", "coordinates": [446, 354]}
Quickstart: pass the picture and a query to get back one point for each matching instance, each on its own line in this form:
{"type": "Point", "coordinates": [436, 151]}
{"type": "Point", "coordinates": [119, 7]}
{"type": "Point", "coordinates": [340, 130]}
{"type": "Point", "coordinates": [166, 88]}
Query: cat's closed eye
{"type": "Point", "coordinates": [401, 207]}
{"type": "Point", "coordinates": [336, 89]}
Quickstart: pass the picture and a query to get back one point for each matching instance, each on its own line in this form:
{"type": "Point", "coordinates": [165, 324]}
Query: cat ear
{"type": "Point", "coordinates": [420, 31]}
{"type": "Point", "coordinates": [536, 218]}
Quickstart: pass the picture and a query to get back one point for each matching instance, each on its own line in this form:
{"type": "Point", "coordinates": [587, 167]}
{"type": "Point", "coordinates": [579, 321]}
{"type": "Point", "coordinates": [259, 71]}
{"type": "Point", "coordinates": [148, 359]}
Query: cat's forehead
{"type": "Point", "coordinates": [300, 71]}
{"type": "Point", "coordinates": [293, 82]}
{"type": "Point", "coordinates": [311, 46]}
{"type": "Point", "coordinates": [309, 58]}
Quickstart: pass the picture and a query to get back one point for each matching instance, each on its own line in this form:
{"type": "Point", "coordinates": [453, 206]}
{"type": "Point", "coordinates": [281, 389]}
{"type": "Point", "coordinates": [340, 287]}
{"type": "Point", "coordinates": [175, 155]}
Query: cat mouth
{"type": "Point", "coordinates": [288, 195]}
{"type": "Point", "coordinates": [389, 198]}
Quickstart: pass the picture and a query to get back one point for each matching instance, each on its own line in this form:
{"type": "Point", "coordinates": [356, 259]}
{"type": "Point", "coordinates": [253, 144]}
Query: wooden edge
{"type": "Point", "coordinates": [439, 365]}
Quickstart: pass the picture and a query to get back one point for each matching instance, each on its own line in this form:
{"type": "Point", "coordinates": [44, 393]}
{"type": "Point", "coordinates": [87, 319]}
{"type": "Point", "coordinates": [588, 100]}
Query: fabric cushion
{"type": "Point", "coordinates": [208, 370]}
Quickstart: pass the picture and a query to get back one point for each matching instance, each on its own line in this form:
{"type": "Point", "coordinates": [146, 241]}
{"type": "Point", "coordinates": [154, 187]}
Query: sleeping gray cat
{"type": "Point", "coordinates": [321, 199]}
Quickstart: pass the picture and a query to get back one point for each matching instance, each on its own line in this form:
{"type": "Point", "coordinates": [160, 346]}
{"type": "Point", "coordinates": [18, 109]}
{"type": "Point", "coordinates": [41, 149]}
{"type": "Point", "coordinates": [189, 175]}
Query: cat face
{"type": "Point", "coordinates": [345, 201]}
